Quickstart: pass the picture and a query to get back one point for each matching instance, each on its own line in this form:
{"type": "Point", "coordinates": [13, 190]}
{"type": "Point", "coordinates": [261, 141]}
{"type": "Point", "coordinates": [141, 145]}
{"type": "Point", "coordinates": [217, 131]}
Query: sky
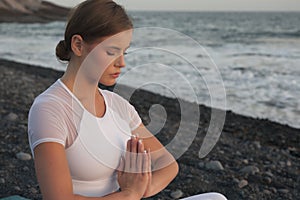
{"type": "Point", "coordinates": [201, 5]}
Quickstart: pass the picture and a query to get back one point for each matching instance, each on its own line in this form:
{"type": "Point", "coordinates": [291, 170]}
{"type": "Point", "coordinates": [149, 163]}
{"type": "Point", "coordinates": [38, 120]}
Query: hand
{"type": "Point", "coordinates": [134, 172]}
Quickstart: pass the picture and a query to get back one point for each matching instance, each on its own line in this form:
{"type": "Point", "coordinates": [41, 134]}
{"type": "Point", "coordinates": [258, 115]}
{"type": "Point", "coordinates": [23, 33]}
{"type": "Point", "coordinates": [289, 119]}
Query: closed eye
{"type": "Point", "coordinates": [113, 54]}
{"type": "Point", "coordinates": [110, 53]}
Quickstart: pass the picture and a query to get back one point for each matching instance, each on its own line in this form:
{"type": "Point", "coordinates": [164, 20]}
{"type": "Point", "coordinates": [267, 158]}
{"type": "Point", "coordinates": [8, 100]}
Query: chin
{"type": "Point", "coordinates": [107, 83]}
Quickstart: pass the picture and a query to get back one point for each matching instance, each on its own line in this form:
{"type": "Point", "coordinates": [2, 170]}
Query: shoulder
{"type": "Point", "coordinates": [53, 99]}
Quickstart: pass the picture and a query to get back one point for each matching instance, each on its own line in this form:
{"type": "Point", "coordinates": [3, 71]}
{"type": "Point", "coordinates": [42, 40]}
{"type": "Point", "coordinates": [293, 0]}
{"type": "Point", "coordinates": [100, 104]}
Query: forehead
{"type": "Point", "coordinates": [121, 40]}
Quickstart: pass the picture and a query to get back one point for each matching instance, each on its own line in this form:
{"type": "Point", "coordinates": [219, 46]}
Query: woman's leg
{"type": "Point", "coordinates": [207, 196]}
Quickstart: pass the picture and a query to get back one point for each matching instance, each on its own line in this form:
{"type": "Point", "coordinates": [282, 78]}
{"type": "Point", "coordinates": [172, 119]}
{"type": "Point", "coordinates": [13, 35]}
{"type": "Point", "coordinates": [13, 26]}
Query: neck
{"type": "Point", "coordinates": [84, 89]}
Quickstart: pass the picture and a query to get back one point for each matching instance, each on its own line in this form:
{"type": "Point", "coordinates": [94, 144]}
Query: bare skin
{"type": "Point", "coordinates": [50, 158]}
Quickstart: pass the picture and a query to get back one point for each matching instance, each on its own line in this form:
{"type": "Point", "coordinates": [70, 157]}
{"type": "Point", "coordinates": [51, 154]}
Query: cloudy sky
{"type": "Point", "coordinates": [206, 5]}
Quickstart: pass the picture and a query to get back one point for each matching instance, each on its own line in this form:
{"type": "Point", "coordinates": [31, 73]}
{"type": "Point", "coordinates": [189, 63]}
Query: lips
{"type": "Point", "coordinates": [115, 75]}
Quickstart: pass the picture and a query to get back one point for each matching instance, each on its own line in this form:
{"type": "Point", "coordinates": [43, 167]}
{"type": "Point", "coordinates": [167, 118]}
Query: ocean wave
{"type": "Point", "coordinates": [268, 55]}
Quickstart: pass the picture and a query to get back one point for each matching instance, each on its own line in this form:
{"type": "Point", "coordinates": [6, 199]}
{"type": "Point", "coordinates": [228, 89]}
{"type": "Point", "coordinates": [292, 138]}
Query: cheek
{"type": "Point", "coordinates": [101, 59]}
{"type": "Point", "coordinates": [104, 61]}
{"type": "Point", "coordinates": [96, 65]}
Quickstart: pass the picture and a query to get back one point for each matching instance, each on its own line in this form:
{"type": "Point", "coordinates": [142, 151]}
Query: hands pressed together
{"type": "Point", "coordinates": [134, 174]}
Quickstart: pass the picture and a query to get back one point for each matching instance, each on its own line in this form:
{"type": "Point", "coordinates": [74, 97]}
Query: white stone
{"type": "Point", "coordinates": [176, 194]}
{"type": "Point", "coordinates": [243, 183]}
{"type": "Point", "coordinates": [23, 156]}
{"type": "Point", "coordinates": [11, 117]}
{"type": "Point", "coordinates": [214, 165]}
{"type": "Point", "coordinates": [250, 170]}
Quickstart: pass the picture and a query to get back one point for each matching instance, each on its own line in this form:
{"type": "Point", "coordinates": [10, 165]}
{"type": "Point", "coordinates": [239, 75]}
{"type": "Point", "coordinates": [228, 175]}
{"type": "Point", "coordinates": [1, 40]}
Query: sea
{"type": "Point", "coordinates": [247, 62]}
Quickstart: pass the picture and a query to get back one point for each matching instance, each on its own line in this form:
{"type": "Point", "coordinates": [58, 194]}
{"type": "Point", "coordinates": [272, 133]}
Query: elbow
{"type": "Point", "coordinates": [175, 168]}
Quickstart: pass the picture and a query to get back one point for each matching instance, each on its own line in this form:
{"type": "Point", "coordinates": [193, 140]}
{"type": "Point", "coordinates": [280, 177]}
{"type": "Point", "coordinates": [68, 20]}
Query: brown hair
{"type": "Point", "coordinates": [93, 19]}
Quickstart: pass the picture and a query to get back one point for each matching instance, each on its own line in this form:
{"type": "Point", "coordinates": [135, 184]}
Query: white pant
{"type": "Point", "coordinates": [207, 196]}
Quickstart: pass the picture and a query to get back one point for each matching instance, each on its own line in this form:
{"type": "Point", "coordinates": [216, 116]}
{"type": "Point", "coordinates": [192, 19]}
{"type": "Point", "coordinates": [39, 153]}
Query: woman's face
{"type": "Point", "coordinates": [105, 59]}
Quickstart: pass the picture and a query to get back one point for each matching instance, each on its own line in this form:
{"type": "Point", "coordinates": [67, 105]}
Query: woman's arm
{"type": "Point", "coordinates": [55, 180]}
{"type": "Point", "coordinates": [164, 166]}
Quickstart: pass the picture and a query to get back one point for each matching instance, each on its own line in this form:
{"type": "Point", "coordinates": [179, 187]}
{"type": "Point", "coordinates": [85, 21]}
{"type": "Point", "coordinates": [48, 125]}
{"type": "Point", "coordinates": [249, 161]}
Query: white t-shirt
{"type": "Point", "coordinates": [93, 145]}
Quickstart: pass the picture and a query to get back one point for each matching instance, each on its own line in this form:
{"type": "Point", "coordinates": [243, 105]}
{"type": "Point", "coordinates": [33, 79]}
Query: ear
{"type": "Point", "coordinates": [77, 45]}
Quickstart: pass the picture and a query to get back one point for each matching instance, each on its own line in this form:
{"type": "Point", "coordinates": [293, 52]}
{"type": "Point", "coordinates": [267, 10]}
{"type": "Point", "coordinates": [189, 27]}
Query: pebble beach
{"type": "Point", "coordinates": [253, 159]}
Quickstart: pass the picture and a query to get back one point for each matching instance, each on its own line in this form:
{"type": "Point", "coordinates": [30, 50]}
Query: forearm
{"type": "Point", "coordinates": [124, 195]}
{"type": "Point", "coordinates": [161, 178]}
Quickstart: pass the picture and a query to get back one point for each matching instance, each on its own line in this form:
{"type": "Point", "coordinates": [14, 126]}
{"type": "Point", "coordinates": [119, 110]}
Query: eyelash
{"type": "Point", "coordinates": [113, 54]}
{"type": "Point", "coordinates": [109, 53]}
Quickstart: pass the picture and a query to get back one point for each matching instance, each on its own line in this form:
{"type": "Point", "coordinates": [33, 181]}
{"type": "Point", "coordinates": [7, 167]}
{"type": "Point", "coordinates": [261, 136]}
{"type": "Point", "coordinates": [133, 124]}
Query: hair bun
{"type": "Point", "coordinates": [62, 52]}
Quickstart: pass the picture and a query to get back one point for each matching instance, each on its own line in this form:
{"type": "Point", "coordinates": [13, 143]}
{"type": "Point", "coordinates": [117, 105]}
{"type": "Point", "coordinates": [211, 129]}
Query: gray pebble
{"type": "Point", "coordinates": [284, 191]}
{"type": "Point", "coordinates": [273, 166]}
{"type": "Point", "coordinates": [11, 117]}
{"type": "Point", "coordinates": [189, 180]}
{"type": "Point", "coordinates": [288, 163]}
{"type": "Point", "coordinates": [176, 194]}
{"type": "Point", "coordinates": [23, 127]}
{"type": "Point", "coordinates": [245, 161]}
{"type": "Point", "coordinates": [17, 188]}
{"type": "Point", "coordinates": [214, 165]}
{"type": "Point", "coordinates": [267, 192]}
{"type": "Point", "coordinates": [23, 156]}
{"type": "Point", "coordinates": [267, 179]}
{"type": "Point", "coordinates": [2, 180]}
{"type": "Point", "coordinates": [243, 183]}
{"type": "Point", "coordinates": [235, 180]}
{"type": "Point", "coordinates": [267, 162]}
{"type": "Point", "coordinates": [33, 190]}
{"type": "Point", "coordinates": [274, 190]}
{"type": "Point", "coordinates": [25, 169]}
{"type": "Point", "coordinates": [281, 163]}
{"type": "Point", "coordinates": [250, 170]}
{"type": "Point", "coordinates": [190, 176]}
{"type": "Point", "coordinates": [269, 174]}
{"type": "Point", "coordinates": [201, 164]}
{"type": "Point", "coordinates": [257, 144]}
{"type": "Point", "coordinates": [11, 166]}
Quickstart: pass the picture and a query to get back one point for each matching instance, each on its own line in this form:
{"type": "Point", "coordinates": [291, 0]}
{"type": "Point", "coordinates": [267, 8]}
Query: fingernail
{"type": "Point", "coordinates": [140, 141]}
{"type": "Point", "coordinates": [133, 137]}
{"type": "Point", "coordinates": [145, 151]}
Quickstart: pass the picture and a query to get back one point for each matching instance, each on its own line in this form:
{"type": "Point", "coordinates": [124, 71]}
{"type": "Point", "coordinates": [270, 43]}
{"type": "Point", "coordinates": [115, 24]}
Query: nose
{"type": "Point", "coordinates": [120, 62]}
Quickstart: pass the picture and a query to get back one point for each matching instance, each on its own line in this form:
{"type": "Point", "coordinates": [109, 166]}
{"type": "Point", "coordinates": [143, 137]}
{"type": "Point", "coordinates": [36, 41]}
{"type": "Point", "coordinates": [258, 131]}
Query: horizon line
{"type": "Point", "coordinates": [146, 10]}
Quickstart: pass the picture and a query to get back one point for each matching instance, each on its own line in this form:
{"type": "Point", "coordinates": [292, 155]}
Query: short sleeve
{"type": "Point", "coordinates": [45, 124]}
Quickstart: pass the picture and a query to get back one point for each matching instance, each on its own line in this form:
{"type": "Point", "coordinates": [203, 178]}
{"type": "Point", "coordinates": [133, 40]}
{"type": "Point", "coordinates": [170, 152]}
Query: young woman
{"type": "Point", "coordinates": [90, 143]}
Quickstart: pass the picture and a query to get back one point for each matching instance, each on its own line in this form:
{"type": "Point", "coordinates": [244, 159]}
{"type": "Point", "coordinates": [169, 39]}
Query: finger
{"type": "Point", "coordinates": [127, 158]}
{"type": "Point", "coordinates": [121, 167]}
{"type": "Point", "coordinates": [149, 160]}
{"type": "Point", "coordinates": [140, 156]}
{"type": "Point", "coordinates": [128, 145]}
{"type": "Point", "coordinates": [139, 164]}
{"type": "Point", "coordinates": [145, 162]}
{"type": "Point", "coordinates": [149, 176]}
{"type": "Point", "coordinates": [134, 144]}
{"type": "Point", "coordinates": [141, 147]}
{"type": "Point", "coordinates": [133, 153]}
